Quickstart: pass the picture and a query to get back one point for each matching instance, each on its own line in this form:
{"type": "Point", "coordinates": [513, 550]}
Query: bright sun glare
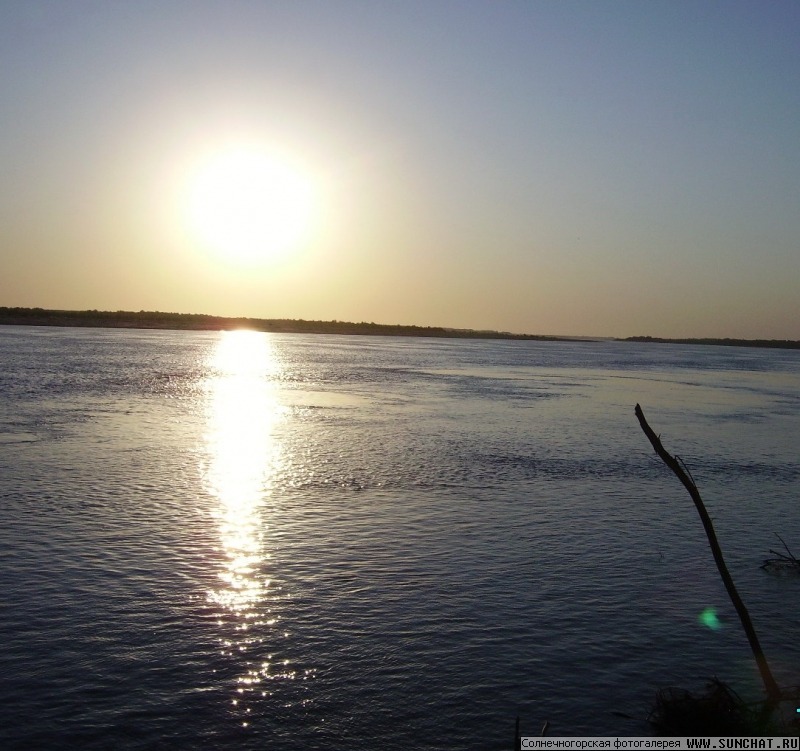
{"type": "Point", "coordinates": [248, 205]}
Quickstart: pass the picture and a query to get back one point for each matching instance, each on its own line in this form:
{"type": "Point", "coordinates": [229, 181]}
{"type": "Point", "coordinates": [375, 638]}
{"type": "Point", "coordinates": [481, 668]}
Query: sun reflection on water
{"type": "Point", "coordinates": [244, 457]}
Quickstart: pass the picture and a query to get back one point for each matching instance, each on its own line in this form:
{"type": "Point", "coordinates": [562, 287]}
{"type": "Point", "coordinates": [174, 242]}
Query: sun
{"type": "Point", "coordinates": [249, 205]}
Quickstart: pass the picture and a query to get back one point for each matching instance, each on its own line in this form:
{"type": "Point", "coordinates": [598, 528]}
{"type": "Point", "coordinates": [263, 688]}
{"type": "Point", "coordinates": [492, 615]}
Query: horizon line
{"type": "Point", "coordinates": [156, 319]}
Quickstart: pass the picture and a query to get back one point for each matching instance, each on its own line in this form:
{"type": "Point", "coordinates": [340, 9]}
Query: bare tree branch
{"type": "Point", "coordinates": [772, 689]}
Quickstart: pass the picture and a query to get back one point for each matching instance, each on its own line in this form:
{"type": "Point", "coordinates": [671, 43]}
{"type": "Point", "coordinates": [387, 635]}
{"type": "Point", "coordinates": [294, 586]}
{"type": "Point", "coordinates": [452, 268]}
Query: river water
{"type": "Point", "coordinates": [247, 541]}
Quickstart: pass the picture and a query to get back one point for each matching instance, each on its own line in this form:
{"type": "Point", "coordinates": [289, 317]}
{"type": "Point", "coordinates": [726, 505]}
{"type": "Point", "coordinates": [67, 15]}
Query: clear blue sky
{"type": "Point", "coordinates": [585, 168]}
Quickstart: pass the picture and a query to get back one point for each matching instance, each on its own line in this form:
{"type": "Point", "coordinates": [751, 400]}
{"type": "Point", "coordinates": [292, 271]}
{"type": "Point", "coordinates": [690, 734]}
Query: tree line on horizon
{"type": "Point", "coordinates": [155, 319]}
{"type": "Point", "coordinates": [772, 343]}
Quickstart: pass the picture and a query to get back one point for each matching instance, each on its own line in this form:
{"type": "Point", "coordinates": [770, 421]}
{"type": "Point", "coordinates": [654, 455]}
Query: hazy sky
{"type": "Point", "coordinates": [584, 168]}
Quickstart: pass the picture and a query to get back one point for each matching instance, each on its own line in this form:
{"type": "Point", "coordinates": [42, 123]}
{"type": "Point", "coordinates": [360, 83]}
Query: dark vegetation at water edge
{"type": "Point", "coordinates": [786, 562]}
{"type": "Point", "coordinates": [200, 322]}
{"type": "Point", "coordinates": [774, 343]}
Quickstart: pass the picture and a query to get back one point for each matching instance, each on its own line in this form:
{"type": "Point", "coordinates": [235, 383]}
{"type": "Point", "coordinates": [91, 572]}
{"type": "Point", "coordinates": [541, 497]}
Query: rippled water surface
{"type": "Point", "coordinates": [248, 541]}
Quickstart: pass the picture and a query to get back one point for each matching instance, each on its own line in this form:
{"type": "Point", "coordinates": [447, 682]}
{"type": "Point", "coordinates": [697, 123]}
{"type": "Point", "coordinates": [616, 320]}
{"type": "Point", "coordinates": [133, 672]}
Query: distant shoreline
{"type": "Point", "coordinates": [201, 322]}
{"type": "Point", "coordinates": [766, 343]}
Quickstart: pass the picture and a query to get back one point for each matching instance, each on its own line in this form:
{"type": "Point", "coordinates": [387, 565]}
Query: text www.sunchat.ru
{"type": "Point", "coordinates": [679, 744]}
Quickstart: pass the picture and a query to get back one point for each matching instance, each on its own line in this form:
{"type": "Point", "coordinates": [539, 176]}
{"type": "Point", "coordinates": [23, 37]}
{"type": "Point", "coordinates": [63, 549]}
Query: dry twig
{"type": "Point", "coordinates": [772, 689]}
{"type": "Point", "coordinates": [781, 562]}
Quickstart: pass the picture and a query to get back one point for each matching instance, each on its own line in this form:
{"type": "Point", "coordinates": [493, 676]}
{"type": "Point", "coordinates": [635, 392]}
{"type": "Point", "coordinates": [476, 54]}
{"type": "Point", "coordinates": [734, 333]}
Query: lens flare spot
{"type": "Point", "coordinates": [709, 619]}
